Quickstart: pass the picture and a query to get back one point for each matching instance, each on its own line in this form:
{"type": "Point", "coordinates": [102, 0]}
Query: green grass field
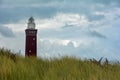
{"type": "Point", "coordinates": [14, 67]}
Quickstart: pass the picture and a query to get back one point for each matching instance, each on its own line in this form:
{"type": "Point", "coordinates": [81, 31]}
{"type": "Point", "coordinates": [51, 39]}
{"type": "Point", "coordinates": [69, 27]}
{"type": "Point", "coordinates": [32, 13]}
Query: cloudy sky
{"type": "Point", "coordinates": [80, 28]}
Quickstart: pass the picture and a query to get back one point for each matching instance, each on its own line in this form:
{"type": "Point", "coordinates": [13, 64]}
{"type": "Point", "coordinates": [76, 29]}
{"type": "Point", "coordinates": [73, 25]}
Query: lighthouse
{"type": "Point", "coordinates": [31, 38]}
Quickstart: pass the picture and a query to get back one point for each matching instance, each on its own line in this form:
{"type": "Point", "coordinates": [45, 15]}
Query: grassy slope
{"type": "Point", "coordinates": [56, 69]}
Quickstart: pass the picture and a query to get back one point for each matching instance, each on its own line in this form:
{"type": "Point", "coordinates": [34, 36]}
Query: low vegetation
{"type": "Point", "coordinates": [15, 67]}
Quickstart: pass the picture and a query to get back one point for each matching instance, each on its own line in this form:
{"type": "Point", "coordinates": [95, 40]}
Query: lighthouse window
{"type": "Point", "coordinates": [33, 38]}
{"type": "Point", "coordinates": [30, 51]}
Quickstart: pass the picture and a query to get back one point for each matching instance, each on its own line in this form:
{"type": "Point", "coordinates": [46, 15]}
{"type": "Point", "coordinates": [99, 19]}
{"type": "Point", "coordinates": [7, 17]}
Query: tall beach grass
{"type": "Point", "coordinates": [15, 67]}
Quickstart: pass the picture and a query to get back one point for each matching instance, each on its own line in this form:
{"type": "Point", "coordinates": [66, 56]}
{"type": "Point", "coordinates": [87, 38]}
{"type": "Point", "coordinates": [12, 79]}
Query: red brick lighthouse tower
{"type": "Point", "coordinates": [31, 39]}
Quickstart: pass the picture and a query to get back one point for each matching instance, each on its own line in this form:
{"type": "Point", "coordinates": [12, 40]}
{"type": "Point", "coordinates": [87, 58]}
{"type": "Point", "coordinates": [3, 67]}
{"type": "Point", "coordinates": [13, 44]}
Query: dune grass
{"type": "Point", "coordinates": [66, 68]}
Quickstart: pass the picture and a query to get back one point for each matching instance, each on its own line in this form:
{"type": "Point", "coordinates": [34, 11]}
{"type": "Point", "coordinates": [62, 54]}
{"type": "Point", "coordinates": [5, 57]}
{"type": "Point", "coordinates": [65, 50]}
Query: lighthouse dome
{"type": "Point", "coordinates": [31, 23]}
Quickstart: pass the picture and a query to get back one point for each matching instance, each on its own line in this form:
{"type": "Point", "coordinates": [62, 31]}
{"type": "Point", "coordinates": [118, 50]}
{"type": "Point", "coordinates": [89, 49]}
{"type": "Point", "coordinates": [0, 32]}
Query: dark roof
{"type": "Point", "coordinates": [31, 19]}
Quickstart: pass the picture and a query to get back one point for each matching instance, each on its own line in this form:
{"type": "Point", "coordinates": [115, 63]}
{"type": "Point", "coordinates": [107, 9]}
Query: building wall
{"type": "Point", "coordinates": [31, 42]}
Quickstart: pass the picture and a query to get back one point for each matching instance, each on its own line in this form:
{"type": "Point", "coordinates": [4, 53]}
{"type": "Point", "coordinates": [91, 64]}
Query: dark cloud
{"type": "Point", "coordinates": [71, 32]}
{"type": "Point", "coordinates": [95, 34]}
{"type": "Point", "coordinates": [0, 2]}
{"type": "Point", "coordinates": [15, 14]}
{"type": "Point", "coordinates": [105, 1]}
{"type": "Point", "coordinates": [90, 33]}
{"type": "Point", "coordinates": [48, 8]}
{"type": "Point", "coordinates": [96, 1]}
{"type": "Point", "coordinates": [49, 1]}
{"type": "Point", "coordinates": [6, 32]}
{"type": "Point", "coordinates": [95, 17]}
{"type": "Point", "coordinates": [26, 2]}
